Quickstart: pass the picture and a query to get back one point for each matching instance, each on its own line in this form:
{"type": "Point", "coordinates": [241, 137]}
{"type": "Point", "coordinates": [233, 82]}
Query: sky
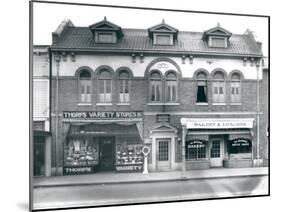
{"type": "Point", "coordinates": [47, 18]}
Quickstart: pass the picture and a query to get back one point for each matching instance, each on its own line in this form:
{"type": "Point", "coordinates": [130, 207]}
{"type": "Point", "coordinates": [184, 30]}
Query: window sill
{"type": "Point", "coordinates": [201, 103]}
{"type": "Point", "coordinates": [104, 104]}
{"type": "Point", "coordinates": [219, 103]}
{"type": "Point", "coordinates": [235, 103]}
{"type": "Point", "coordinates": [156, 103]}
{"type": "Point", "coordinates": [123, 103]}
{"type": "Point", "coordinates": [84, 104]}
{"type": "Point", "coordinates": [172, 103]}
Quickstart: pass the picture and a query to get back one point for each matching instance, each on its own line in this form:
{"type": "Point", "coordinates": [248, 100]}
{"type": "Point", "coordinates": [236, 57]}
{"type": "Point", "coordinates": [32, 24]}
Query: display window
{"type": "Point", "coordinates": [81, 152]}
{"type": "Point", "coordinates": [195, 150]}
{"type": "Point", "coordinates": [240, 148]}
{"type": "Point", "coordinates": [129, 155]}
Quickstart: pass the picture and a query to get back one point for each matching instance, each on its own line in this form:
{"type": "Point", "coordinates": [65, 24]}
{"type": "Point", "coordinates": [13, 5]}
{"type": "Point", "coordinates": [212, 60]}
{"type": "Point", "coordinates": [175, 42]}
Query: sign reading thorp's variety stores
{"type": "Point", "coordinates": [101, 115]}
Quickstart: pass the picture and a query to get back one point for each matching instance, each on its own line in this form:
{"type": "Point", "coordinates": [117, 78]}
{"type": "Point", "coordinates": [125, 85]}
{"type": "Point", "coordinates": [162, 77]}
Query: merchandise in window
{"type": "Point", "coordinates": [129, 154]}
{"type": "Point", "coordinates": [81, 152]}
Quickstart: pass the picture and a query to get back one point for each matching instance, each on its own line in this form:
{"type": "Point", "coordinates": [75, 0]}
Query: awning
{"type": "Point", "coordinates": [98, 130]}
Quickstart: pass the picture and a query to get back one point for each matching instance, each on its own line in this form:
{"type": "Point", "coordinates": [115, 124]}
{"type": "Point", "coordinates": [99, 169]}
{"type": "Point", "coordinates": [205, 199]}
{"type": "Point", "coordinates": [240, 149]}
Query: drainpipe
{"type": "Point", "coordinates": [258, 111]}
{"type": "Point", "coordinates": [57, 59]}
{"type": "Point", "coordinates": [183, 148]}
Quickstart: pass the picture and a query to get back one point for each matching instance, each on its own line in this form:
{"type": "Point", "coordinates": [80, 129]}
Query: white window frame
{"type": "Point", "coordinates": [104, 97]}
{"type": "Point", "coordinates": [217, 86]}
{"type": "Point", "coordinates": [217, 37]}
{"type": "Point", "coordinates": [155, 83]}
{"type": "Point", "coordinates": [156, 41]}
{"type": "Point", "coordinates": [98, 34]}
{"type": "Point", "coordinates": [123, 96]}
{"type": "Point", "coordinates": [171, 83]}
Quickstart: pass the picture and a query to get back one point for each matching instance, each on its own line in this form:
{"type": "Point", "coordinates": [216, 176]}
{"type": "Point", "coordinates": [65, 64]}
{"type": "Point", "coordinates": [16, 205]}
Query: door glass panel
{"type": "Point", "coordinates": [163, 150]}
{"type": "Point", "coordinates": [215, 150]}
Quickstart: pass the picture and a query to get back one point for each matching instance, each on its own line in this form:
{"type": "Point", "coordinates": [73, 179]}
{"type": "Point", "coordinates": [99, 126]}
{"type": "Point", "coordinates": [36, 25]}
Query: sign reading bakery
{"type": "Point", "coordinates": [101, 115]}
{"type": "Point", "coordinates": [217, 123]}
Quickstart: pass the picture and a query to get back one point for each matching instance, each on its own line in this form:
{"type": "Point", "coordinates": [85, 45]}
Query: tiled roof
{"type": "Point", "coordinates": [134, 40]}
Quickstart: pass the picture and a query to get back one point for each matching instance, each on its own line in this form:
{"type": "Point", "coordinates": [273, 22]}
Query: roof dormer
{"type": "Point", "coordinates": [163, 34]}
{"type": "Point", "coordinates": [106, 32]}
{"type": "Point", "coordinates": [217, 37]}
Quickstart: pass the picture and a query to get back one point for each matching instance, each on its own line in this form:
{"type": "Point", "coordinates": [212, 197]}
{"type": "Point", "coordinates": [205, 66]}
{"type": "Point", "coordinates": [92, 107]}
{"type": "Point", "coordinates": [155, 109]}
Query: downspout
{"type": "Point", "coordinates": [57, 59]}
{"type": "Point", "coordinates": [183, 147]}
{"type": "Point", "coordinates": [258, 111]}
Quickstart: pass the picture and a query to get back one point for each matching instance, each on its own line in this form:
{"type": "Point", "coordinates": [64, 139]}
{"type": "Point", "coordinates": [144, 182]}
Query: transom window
{"type": "Point", "coordinates": [202, 88]}
{"type": "Point", "coordinates": [85, 87]}
{"type": "Point", "coordinates": [124, 87]}
{"type": "Point", "coordinates": [219, 88]}
{"type": "Point", "coordinates": [155, 87]}
{"type": "Point", "coordinates": [235, 87]}
{"type": "Point", "coordinates": [171, 87]}
{"type": "Point", "coordinates": [105, 86]}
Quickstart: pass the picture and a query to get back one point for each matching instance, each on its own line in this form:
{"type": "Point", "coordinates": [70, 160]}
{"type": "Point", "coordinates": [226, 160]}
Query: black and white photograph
{"type": "Point", "coordinates": [134, 105]}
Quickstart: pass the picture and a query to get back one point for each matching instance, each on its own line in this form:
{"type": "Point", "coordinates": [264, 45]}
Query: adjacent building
{"type": "Point", "coordinates": [196, 99]}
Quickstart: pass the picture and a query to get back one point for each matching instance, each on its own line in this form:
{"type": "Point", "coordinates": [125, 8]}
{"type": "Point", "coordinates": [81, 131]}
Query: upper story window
{"type": "Point", "coordinates": [85, 87]}
{"type": "Point", "coordinates": [171, 87]}
{"type": "Point", "coordinates": [202, 93]}
{"type": "Point", "coordinates": [220, 42]}
{"type": "Point", "coordinates": [106, 37]}
{"type": "Point", "coordinates": [219, 87]}
{"type": "Point", "coordinates": [105, 86]}
{"type": "Point", "coordinates": [124, 86]}
{"type": "Point", "coordinates": [155, 87]}
{"type": "Point", "coordinates": [163, 34]}
{"type": "Point", "coordinates": [163, 39]}
{"type": "Point", "coordinates": [235, 93]}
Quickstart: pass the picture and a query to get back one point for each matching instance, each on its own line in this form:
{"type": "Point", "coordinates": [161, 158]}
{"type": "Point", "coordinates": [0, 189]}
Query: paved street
{"type": "Point", "coordinates": [71, 196]}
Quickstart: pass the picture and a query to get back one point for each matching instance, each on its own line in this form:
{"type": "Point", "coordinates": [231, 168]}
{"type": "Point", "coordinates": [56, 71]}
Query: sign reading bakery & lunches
{"type": "Point", "coordinates": [102, 115]}
{"type": "Point", "coordinates": [217, 123]}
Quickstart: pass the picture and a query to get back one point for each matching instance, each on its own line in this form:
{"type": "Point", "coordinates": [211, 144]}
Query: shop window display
{"type": "Point", "coordinates": [81, 152]}
{"type": "Point", "coordinates": [240, 148]}
{"type": "Point", "coordinates": [129, 157]}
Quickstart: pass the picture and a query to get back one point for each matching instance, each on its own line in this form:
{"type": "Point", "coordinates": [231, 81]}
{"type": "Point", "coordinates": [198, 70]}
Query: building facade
{"type": "Point", "coordinates": [41, 112]}
{"type": "Point", "coordinates": [193, 98]}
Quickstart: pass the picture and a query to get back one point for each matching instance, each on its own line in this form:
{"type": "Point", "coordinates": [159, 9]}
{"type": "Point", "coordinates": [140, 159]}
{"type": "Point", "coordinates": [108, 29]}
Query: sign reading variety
{"type": "Point", "coordinates": [216, 123]}
{"type": "Point", "coordinates": [101, 115]}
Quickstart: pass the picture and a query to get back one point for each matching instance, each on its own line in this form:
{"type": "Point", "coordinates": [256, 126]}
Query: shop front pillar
{"type": "Point", "coordinates": [48, 156]}
{"type": "Point", "coordinates": [184, 131]}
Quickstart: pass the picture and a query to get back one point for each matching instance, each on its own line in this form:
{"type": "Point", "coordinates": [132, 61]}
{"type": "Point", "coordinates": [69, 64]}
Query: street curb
{"type": "Point", "coordinates": [145, 181]}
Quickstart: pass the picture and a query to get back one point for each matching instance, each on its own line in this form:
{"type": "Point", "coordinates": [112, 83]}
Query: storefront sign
{"type": "Point", "coordinates": [78, 170]}
{"type": "Point", "coordinates": [101, 115]}
{"type": "Point", "coordinates": [196, 144]}
{"type": "Point", "coordinates": [160, 118]}
{"type": "Point", "coordinates": [216, 123]}
{"type": "Point", "coordinates": [240, 142]}
{"type": "Point", "coordinates": [128, 168]}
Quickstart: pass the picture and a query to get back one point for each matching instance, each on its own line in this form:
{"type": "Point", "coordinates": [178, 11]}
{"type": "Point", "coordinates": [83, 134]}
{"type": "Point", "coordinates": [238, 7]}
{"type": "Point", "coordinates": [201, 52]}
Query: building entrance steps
{"type": "Point", "coordinates": [119, 178]}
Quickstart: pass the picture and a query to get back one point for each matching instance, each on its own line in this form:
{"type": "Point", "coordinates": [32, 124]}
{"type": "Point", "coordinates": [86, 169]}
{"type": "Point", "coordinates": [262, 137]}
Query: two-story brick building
{"type": "Point", "coordinates": [190, 96]}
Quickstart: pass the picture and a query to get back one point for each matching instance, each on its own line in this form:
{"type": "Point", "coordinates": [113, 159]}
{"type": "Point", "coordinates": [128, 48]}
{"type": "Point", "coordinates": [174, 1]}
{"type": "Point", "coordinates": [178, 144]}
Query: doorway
{"type": "Point", "coordinates": [163, 154]}
{"type": "Point", "coordinates": [106, 153]}
{"type": "Point", "coordinates": [39, 156]}
{"type": "Point", "coordinates": [216, 151]}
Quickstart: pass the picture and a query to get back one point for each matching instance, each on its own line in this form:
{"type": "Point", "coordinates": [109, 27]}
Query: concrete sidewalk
{"type": "Point", "coordinates": [117, 178]}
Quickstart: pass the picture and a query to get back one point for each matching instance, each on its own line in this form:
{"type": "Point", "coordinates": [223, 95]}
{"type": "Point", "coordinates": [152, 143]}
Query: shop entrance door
{"type": "Point", "coordinates": [163, 154]}
{"type": "Point", "coordinates": [39, 156]}
{"type": "Point", "coordinates": [106, 153]}
{"type": "Point", "coordinates": [216, 152]}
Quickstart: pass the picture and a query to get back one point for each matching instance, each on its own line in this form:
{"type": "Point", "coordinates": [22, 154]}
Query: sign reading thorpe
{"type": "Point", "coordinates": [101, 115]}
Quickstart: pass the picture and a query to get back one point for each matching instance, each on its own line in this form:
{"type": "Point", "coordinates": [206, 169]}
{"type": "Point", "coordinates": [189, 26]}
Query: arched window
{"type": "Point", "coordinates": [202, 94]}
{"type": "Point", "coordinates": [235, 87]}
{"type": "Point", "coordinates": [124, 86]}
{"type": "Point", "coordinates": [155, 87]}
{"type": "Point", "coordinates": [85, 88]}
{"type": "Point", "coordinates": [171, 87]}
{"type": "Point", "coordinates": [219, 87]}
{"type": "Point", "coordinates": [105, 86]}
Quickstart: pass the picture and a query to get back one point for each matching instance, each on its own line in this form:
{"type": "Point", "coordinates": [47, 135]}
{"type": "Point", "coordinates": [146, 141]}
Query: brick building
{"type": "Point", "coordinates": [191, 97]}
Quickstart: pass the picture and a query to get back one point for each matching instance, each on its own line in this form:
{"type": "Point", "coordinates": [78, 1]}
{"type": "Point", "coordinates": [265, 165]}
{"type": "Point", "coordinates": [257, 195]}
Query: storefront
{"type": "Point", "coordinates": [217, 143]}
{"type": "Point", "coordinates": [102, 141]}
